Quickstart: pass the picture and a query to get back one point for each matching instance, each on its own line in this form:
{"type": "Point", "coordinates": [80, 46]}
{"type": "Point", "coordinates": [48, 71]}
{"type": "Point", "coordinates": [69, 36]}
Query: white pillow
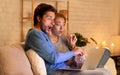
{"type": "Point", "coordinates": [37, 63]}
{"type": "Point", "coordinates": [110, 65]}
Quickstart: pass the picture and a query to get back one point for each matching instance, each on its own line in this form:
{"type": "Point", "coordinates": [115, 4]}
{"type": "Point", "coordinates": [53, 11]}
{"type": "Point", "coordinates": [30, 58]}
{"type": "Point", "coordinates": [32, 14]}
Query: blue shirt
{"type": "Point", "coordinates": [41, 43]}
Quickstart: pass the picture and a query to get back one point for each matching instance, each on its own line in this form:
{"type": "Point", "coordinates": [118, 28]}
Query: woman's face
{"type": "Point", "coordinates": [59, 26]}
{"type": "Point", "coordinates": [47, 21]}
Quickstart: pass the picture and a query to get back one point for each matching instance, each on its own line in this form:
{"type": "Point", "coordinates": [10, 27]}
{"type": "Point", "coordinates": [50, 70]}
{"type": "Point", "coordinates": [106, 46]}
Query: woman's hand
{"type": "Point", "coordinates": [72, 40]}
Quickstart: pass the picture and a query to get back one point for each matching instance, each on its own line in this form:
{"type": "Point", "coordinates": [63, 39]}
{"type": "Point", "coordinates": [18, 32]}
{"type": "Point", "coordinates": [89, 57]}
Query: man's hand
{"type": "Point", "coordinates": [78, 51]}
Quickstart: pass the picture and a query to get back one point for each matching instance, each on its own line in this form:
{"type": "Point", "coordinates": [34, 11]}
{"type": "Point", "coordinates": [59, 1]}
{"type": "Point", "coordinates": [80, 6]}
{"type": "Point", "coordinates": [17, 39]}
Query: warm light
{"type": "Point", "coordinates": [97, 47]}
{"type": "Point", "coordinates": [112, 47]}
{"type": "Point", "coordinates": [103, 44]}
{"type": "Point", "coordinates": [115, 45]}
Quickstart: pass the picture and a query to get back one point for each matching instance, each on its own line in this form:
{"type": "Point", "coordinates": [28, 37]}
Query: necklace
{"type": "Point", "coordinates": [54, 39]}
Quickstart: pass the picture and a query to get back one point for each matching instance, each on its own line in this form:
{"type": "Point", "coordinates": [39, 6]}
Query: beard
{"type": "Point", "coordinates": [46, 29]}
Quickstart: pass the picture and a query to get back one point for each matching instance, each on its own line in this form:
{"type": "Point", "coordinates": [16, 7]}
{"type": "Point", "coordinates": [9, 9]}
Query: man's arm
{"type": "Point", "coordinates": [44, 47]}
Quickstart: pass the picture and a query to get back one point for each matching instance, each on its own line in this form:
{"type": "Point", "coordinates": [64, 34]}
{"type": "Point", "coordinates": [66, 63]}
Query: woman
{"type": "Point", "coordinates": [63, 44]}
{"type": "Point", "coordinates": [57, 35]}
{"type": "Point", "coordinates": [38, 40]}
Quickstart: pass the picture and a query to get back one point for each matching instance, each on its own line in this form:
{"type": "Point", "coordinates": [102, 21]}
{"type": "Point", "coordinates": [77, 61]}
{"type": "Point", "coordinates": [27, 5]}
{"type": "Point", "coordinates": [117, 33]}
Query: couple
{"type": "Point", "coordinates": [42, 38]}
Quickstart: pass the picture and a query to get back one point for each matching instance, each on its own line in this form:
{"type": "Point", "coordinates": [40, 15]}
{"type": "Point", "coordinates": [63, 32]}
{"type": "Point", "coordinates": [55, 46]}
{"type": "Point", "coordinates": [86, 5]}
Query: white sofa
{"type": "Point", "coordinates": [37, 61]}
{"type": "Point", "coordinates": [14, 61]}
{"type": "Point", "coordinates": [110, 65]}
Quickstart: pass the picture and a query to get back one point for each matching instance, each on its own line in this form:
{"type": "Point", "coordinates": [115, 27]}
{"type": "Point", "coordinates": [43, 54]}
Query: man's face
{"type": "Point", "coordinates": [48, 21]}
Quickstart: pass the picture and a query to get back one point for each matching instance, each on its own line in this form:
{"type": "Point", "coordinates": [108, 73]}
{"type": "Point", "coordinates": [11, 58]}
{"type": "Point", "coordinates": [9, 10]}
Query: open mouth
{"type": "Point", "coordinates": [49, 28]}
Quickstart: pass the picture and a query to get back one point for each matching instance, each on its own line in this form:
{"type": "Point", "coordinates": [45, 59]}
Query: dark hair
{"type": "Point", "coordinates": [41, 9]}
{"type": "Point", "coordinates": [60, 15]}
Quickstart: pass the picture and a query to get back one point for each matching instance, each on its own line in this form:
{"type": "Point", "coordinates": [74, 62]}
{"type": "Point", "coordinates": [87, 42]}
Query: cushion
{"type": "Point", "coordinates": [37, 63]}
{"type": "Point", "coordinates": [110, 65]}
{"type": "Point", "coordinates": [13, 61]}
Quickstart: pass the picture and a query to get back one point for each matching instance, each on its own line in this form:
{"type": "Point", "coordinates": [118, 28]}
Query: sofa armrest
{"type": "Point", "coordinates": [13, 60]}
{"type": "Point", "coordinates": [110, 65]}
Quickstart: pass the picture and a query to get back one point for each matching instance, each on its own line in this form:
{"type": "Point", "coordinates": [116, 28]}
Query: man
{"type": "Point", "coordinates": [38, 40]}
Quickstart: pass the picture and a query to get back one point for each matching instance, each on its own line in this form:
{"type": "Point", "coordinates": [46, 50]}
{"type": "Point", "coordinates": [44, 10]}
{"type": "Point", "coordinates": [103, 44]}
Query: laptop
{"type": "Point", "coordinates": [92, 60]}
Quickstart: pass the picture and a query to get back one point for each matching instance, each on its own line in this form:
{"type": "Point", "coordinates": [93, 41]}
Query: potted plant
{"type": "Point", "coordinates": [81, 41]}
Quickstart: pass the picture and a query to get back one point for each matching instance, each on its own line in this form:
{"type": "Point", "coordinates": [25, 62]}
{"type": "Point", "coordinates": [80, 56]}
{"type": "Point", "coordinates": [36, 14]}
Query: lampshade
{"type": "Point", "coordinates": [115, 45]}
